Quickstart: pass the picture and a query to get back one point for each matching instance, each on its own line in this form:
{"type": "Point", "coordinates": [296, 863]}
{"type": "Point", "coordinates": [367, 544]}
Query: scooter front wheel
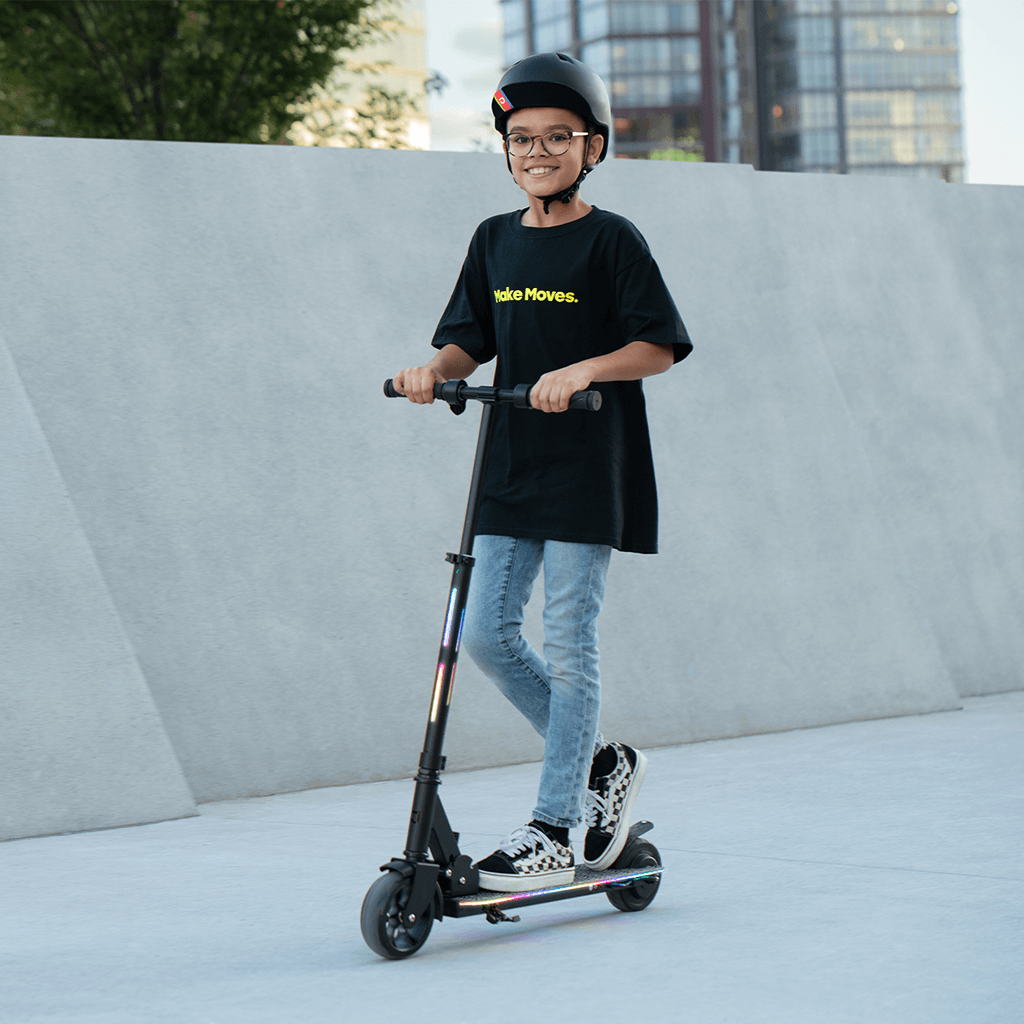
{"type": "Point", "coordinates": [381, 918]}
{"type": "Point", "coordinates": [638, 854]}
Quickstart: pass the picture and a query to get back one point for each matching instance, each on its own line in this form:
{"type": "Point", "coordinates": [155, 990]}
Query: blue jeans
{"type": "Point", "coordinates": [560, 694]}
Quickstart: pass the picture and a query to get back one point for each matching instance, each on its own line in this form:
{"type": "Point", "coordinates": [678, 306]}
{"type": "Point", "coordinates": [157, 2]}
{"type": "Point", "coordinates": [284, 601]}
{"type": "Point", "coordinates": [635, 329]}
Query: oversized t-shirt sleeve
{"type": "Point", "coordinates": [646, 310]}
{"type": "Point", "coordinates": [467, 320]}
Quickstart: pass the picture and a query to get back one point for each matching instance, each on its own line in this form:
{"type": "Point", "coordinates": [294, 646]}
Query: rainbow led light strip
{"type": "Point", "coordinates": [435, 700]}
{"type": "Point", "coordinates": [585, 886]}
{"type": "Point", "coordinates": [448, 619]}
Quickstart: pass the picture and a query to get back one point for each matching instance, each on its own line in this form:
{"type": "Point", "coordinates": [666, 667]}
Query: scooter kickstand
{"type": "Point", "coordinates": [494, 916]}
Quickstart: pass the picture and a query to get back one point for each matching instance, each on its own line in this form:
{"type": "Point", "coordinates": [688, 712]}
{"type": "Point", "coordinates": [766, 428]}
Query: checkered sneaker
{"type": "Point", "coordinates": [608, 808]}
{"type": "Point", "coordinates": [529, 859]}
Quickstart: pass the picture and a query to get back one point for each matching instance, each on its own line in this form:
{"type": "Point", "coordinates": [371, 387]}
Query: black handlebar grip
{"type": "Point", "coordinates": [389, 390]}
{"type": "Point", "coordinates": [589, 400]}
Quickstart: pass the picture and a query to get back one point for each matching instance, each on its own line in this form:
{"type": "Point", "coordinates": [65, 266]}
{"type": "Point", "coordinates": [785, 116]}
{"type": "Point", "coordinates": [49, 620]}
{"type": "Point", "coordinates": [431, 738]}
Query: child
{"type": "Point", "coordinates": [566, 296]}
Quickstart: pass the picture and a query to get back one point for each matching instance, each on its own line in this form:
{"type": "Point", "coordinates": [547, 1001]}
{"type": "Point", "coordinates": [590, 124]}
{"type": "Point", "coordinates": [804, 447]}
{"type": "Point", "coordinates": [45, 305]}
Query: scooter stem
{"type": "Point", "coordinates": [483, 444]}
{"type": "Point", "coordinates": [431, 763]}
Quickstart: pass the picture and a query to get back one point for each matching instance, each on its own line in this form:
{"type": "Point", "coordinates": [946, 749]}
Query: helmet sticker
{"type": "Point", "coordinates": [503, 101]}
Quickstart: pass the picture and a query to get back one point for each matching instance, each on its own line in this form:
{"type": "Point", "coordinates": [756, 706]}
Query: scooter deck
{"type": "Point", "coordinates": [586, 881]}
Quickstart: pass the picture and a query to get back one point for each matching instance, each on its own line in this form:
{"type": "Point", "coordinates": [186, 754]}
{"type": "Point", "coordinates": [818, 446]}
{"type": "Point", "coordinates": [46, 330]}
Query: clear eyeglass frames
{"type": "Point", "coordinates": [555, 142]}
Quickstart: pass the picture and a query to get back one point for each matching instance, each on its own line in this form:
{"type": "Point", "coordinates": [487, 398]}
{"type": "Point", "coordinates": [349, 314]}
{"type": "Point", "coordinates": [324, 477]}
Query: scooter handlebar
{"type": "Point", "coordinates": [457, 392]}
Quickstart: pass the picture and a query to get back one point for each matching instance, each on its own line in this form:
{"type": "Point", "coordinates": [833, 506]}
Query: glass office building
{"type": "Point", "coordinates": [842, 86]}
{"type": "Point", "coordinates": [680, 73]}
{"type": "Point", "coordinates": [860, 87]}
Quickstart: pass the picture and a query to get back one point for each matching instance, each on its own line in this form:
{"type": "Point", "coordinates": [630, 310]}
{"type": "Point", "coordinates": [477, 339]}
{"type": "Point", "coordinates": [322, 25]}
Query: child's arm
{"type": "Point", "coordinates": [417, 382]}
{"type": "Point", "coordinates": [634, 361]}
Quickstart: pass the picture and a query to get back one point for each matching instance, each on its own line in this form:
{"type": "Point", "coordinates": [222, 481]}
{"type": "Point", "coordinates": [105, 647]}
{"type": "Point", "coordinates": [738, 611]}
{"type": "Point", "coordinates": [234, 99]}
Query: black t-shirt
{"type": "Point", "coordinates": [540, 299]}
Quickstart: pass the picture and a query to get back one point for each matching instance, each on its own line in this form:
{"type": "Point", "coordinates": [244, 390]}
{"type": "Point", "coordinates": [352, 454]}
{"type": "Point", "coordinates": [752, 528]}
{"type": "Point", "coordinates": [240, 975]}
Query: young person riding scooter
{"type": "Point", "coordinates": [569, 296]}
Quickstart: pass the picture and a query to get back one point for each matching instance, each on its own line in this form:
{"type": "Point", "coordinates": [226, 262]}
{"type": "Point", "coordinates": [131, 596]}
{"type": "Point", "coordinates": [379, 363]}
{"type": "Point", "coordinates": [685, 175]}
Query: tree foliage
{"type": "Point", "coordinates": [380, 122]}
{"type": "Point", "coordinates": [689, 147]}
{"type": "Point", "coordinates": [182, 70]}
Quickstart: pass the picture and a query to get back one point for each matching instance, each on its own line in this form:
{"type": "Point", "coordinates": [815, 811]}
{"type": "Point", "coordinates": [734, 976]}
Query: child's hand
{"type": "Point", "coordinates": [417, 383]}
{"type": "Point", "coordinates": [552, 392]}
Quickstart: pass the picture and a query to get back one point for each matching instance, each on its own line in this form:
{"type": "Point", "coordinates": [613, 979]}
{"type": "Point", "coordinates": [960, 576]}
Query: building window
{"type": "Point", "coordinates": [550, 10]}
{"type": "Point", "coordinates": [513, 19]}
{"type": "Point", "coordinates": [646, 16]}
{"type": "Point", "coordinates": [513, 16]}
{"type": "Point", "coordinates": [729, 48]}
{"type": "Point", "coordinates": [635, 55]}
{"type": "Point", "coordinates": [732, 123]}
{"type": "Point", "coordinates": [814, 35]}
{"type": "Point", "coordinates": [594, 22]}
{"type": "Point", "coordinates": [903, 146]}
{"type": "Point", "coordinates": [629, 55]}
{"type": "Point", "coordinates": [820, 148]}
{"type": "Point", "coordinates": [686, 88]}
{"type": "Point", "coordinates": [912, 70]}
{"type": "Point", "coordinates": [818, 110]}
{"type": "Point", "coordinates": [903, 108]}
{"type": "Point", "coordinates": [515, 48]}
{"type": "Point", "coordinates": [642, 91]}
{"type": "Point", "coordinates": [813, 6]}
{"type": "Point", "coordinates": [816, 71]}
{"type": "Point", "coordinates": [894, 6]}
{"type": "Point", "coordinates": [639, 16]}
{"type": "Point", "coordinates": [598, 56]}
{"type": "Point", "coordinates": [553, 35]}
{"type": "Point", "coordinates": [686, 55]}
{"type": "Point", "coordinates": [732, 85]}
{"type": "Point", "coordinates": [898, 34]}
{"type": "Point", "coordinates": [552, 25]}
{"type": "Point", "coordinates": [644, 128]}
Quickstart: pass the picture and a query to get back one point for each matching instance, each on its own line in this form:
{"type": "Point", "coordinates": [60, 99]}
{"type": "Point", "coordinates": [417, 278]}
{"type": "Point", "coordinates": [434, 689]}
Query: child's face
{"type": "Point", "coordinates": [541, 174]}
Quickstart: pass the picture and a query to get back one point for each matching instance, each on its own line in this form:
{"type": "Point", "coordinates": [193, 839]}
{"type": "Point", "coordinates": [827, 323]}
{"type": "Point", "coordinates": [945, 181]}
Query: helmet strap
{"type": "Point", "coordinates": [567, 193]}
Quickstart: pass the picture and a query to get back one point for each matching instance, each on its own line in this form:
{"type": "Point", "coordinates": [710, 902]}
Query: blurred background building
{"type": "Point", "coordinates": [841, 86]}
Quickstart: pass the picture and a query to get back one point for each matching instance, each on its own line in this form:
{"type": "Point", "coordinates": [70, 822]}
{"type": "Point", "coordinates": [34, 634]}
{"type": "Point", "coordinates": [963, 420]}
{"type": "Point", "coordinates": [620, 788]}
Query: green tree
{"type": "Point", "coordinates": [182, 70]}
{"type": "Point", "coordinates": [689, 148]}
{"type": "Point", "coordinates": [324, 119]}
{"type": "Point", "coordinates": [676, 154]}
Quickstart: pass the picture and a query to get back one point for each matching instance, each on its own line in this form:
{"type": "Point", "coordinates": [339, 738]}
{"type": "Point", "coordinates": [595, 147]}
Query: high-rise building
{"type": "Point", "coordinates": [654, 56]}
{"type": "Point", "coordinates": [846, 86]}
{"type": "Point", "coordinates": [860, 87]}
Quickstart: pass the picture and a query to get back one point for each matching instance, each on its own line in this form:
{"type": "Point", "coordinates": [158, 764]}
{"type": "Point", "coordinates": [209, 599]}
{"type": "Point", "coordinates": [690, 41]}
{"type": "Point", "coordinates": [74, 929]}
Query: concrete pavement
{"type": "Point", "coordinates": [870, 873]}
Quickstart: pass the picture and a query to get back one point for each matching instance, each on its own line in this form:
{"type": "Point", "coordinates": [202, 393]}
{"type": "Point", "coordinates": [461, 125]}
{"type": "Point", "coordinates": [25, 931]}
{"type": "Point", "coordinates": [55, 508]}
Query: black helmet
{"type": "Point", "coordinates": [554, 80]}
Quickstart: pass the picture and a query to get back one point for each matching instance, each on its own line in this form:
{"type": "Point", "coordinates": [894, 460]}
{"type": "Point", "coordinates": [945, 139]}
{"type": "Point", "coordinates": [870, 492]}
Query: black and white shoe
{"type": "Point", "coordinates": [529, 859]}
{"type": "Point", "coordinates": [609, 805]}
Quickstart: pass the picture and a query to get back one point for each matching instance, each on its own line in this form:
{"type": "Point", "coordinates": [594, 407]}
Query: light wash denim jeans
{"type": "Point", "coordinates": [560, 694]}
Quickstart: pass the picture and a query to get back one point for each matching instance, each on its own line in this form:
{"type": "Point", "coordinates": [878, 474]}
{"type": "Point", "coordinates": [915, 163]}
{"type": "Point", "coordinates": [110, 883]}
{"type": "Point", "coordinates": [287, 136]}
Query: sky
{"type": "Point", "coordinates": [464, 45]}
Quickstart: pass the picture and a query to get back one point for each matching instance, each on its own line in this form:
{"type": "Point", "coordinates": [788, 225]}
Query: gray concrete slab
{"type": "Point", "coordinates": [203, 331]}
{"type": "Point", "coordinates": [81, 744]}
{"type": "Point", "coordinates": [868, 873]}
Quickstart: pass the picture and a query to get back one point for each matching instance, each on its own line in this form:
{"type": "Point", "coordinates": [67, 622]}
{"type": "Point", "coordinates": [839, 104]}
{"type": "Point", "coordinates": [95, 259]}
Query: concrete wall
{"type": "Point", "coordinates": [81, 744]}
{"type": "Point", "coordinates": [203, 330]}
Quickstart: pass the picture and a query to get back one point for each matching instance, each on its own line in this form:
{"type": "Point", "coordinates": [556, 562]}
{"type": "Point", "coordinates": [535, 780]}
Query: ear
{"type": "Point", "coordinates": [596, 147]}
{"type": "Point", "coordinates": [508, 162]}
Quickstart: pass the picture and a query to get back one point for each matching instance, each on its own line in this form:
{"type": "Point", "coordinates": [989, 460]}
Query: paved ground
{"type": "Point", "coordinates": [868, 873]}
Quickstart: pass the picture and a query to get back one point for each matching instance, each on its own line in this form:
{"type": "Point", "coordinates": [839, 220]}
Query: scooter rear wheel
{"type": "Point", "coordinates": [638, 854]}
{"type": "Point", "coordinates": [381, 922]}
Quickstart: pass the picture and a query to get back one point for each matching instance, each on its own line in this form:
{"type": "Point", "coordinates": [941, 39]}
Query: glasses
{"type": "Point", "coordinates": [555, 142]}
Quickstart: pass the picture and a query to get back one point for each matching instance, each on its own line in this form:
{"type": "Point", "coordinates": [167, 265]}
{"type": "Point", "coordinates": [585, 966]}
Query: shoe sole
{"type": "Point", "coordinates": [526, 883]}
{"type": "Point", "coordinates": [615, 847]}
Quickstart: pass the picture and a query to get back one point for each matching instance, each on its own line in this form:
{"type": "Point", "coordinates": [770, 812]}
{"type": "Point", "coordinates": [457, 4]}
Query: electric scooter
{"type": "Point", "coordinates": [433, 879]}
